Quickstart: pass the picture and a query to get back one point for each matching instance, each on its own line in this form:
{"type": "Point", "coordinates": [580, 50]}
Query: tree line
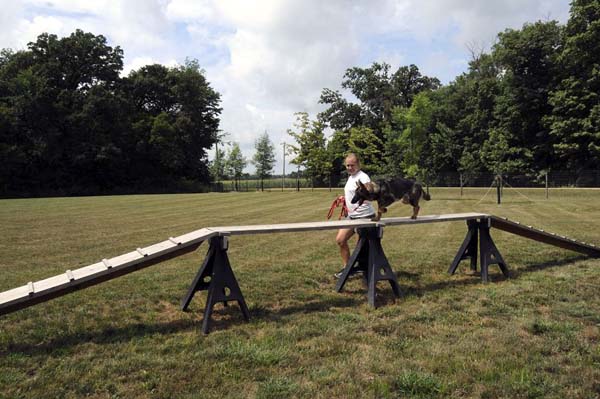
{"type": "Point", "coordinates": [70, 125]}
{"type": "Point", "coordinates": [529, 106]}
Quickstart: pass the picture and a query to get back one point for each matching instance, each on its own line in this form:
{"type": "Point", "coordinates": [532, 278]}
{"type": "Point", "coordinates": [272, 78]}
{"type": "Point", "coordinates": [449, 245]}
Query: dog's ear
{"type": "Point", "coordinates": [376, 188]}
{"type": "Point", "coordinates": [360, 184]}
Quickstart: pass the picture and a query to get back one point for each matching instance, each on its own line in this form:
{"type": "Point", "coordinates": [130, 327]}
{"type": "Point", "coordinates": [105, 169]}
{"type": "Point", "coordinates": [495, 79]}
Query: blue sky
{"type": "Point", "coordinates": [271, 58]}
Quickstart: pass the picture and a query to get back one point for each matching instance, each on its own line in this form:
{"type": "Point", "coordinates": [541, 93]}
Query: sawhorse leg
{"type": "Point", "coordinates": [216, 276]}
{"type": "Point", "coordinates": [369, 257]}
{"type": "Point", "coordinates": [479, 232]}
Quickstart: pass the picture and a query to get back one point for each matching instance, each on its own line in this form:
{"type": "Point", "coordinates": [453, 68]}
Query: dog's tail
{"type": "Point", "coordinates": [424, 194]}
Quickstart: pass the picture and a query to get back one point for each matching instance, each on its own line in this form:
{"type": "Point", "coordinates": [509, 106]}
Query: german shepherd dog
{"type": "Point", "coordinates": [387, 191]}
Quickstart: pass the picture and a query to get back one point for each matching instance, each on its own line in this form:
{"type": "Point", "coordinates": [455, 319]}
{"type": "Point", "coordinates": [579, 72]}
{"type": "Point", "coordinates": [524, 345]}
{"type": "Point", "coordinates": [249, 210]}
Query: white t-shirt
{"type": "Point", "coordinates": [354, 211]}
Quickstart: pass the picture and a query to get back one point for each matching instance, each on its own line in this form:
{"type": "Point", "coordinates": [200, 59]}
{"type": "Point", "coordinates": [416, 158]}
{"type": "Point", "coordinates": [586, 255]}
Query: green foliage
{"type": "Point", "coordinates": [500, 157]}
{"type": "Point", "coordinates": [574, 121]}
{"type": "Point", "coordinates": [368, 122]}
{"type": "Point", "coordinates": [364, 142]}
{"type": "Point", "coordinates": [311, 148]}
{"type": "Point", "coordinates": [407, 138]}
{"type": "Point", "coordinates": [264, 157]}
{"type": "Point", "coordinates": [218, 165]}
{"type": "Point", "coordinates": [528, 58]}
{"type": "Point", "coordinates": [235, 163]}
{"type": "Point", "coordinates": [69, 124]}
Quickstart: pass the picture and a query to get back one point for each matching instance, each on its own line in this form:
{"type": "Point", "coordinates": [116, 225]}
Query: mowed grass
{"type": "Point", "coordinates": [533, 335]}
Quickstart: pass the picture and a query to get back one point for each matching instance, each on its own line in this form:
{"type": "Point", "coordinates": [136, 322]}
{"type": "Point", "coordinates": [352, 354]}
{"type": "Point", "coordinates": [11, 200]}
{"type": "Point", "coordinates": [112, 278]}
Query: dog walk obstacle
{"type": "Point", "coordinates": [216, 274]}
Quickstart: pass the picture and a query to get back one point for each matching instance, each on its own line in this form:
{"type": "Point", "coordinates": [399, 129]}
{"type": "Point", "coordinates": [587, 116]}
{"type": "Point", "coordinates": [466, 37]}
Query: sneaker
{"type": "Point", "coordinates": [353, 272]}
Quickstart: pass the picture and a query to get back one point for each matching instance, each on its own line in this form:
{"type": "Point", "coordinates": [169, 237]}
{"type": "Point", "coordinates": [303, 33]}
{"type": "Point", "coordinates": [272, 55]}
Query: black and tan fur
{"type": "Point", "coordinates": [387, 191]}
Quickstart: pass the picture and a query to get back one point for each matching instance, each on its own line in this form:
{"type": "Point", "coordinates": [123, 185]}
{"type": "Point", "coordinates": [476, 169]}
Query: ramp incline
{"type": "Point", "coordinates": [543, 236]}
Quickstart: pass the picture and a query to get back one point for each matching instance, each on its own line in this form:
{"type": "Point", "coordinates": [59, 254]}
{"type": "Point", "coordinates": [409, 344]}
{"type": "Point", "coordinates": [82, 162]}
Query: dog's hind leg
{"type": "Point", "coordinates": [415, 212]}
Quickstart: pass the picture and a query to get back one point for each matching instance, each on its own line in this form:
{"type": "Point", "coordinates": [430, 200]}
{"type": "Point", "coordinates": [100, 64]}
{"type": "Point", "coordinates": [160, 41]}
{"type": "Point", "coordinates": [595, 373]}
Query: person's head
{"type": "Point", "coordinates": [352, 163]}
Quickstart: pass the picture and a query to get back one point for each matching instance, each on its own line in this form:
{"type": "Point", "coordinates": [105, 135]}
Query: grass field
{"type": "Point", "coordinates": [533, 335]}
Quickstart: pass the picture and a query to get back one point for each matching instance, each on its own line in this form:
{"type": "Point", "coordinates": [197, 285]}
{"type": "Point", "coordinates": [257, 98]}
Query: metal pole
{"type": "Point", "coordinates": [283, 177]}
{"type": "Point", "coordinates": [498, 180]}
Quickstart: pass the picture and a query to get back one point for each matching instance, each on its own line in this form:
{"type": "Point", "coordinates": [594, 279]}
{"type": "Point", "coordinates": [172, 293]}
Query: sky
{"type": "Point", "coordinates": [269, 59]}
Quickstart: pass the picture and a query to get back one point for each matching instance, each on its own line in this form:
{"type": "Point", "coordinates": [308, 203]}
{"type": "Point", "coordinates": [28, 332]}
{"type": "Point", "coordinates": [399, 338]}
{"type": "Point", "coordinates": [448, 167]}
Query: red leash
{"type": "Point", "coordinates": [337, 202]}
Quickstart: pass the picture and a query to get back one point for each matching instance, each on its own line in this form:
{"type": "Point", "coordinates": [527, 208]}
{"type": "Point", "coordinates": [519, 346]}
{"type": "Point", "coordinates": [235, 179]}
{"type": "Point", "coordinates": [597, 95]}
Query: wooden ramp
{"type": "Point", "coordinates": [543, 236]}
{"type": "Point", "coordinates": [107, 269]}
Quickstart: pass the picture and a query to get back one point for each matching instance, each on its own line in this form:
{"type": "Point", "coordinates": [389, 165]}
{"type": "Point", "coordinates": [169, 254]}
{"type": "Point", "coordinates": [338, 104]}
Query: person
{"type": "Point", "coordinates": [364, 211]}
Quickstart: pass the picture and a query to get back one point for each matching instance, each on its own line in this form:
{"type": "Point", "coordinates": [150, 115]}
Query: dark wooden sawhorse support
{"type": "Point", "coordinates": [479, 233]}
{"type": "Point", "coordinates": [216, 276]}
{"type": "Point", "coordinates": [368, 258]}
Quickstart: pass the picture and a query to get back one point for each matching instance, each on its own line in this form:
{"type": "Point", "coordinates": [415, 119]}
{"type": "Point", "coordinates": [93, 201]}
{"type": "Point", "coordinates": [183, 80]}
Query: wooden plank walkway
{"type": "Point", "coordinates": [107, 269]}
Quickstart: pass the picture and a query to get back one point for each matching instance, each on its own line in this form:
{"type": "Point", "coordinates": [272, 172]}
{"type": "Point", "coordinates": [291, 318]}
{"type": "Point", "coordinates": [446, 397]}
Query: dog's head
{"type": "Point", "coordinates": [365, 192]}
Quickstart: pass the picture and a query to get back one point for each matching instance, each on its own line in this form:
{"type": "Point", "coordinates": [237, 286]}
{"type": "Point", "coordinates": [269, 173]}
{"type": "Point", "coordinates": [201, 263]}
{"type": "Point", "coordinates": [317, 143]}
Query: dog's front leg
{"type": "Point", "coordinates": [377, 217]}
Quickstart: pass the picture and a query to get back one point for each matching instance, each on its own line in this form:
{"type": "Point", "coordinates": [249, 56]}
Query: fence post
{"type": "Point", "coordinates": [546, 184]}
{"type": "Point", "coordinates": [498, 189]}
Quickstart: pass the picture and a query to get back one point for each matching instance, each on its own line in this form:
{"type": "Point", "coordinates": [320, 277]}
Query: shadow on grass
{"type": "Point", "coordinates": [223, 318]}
{"type": "Point", "coordinates": [110, 335]}
{"type": "Point", "coordinates": [535, 267]}
{"type": "Point", "coordinates": [469, 279]}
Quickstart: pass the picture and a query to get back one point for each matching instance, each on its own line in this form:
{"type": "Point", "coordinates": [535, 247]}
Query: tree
{"type": "Point", "coordinates": [499, 156]}
{"type": "Point", "coordinates": [378, 93]}
{"type": "Point", "coordinates": [464, 114]}
{"type": "Point", "coordinates": [186, 109]}
{"type": "Point", "coordinates": [575, 120]}
{"type": "Point", "coordinates": [311, 148]}
{"type": "Point", "coordinates": [408, 137]}
{"type": "Point", "coordinates": [77, 62]}
{"type": "Point", "coordinates": [528, 59]}
{"type": "Point", "coordinates": [235, 164]}
{"type": "Point", "coordinates": [54, 91]}
{"type": "Point", "coordinates": [364, 142]}
{"type": "Point", "coordinates": [69, 124]}
{"type": "Point", "coordinates": [217, 166]}
{"type": "Point", "coordinates": [264, 158]}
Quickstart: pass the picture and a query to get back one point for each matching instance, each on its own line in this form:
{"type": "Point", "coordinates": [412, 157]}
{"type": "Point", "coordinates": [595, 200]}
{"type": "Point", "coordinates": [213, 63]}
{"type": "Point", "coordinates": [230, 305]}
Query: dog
{"type": "Point", "coordinates": [387, 191]}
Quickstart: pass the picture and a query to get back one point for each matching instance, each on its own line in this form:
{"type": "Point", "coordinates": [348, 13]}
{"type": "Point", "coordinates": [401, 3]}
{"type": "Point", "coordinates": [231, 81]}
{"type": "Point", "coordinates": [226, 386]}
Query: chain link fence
{"type": "Point", "coordinates": [553, 179]}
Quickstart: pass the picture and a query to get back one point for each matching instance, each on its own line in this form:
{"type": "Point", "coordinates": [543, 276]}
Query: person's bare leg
{"type": "Point", "coordinates": [341, 239]}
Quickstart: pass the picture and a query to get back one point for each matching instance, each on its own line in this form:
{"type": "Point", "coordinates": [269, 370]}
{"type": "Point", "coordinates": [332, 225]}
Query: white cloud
{"type": "Point", "coordinates": [190, 10]}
